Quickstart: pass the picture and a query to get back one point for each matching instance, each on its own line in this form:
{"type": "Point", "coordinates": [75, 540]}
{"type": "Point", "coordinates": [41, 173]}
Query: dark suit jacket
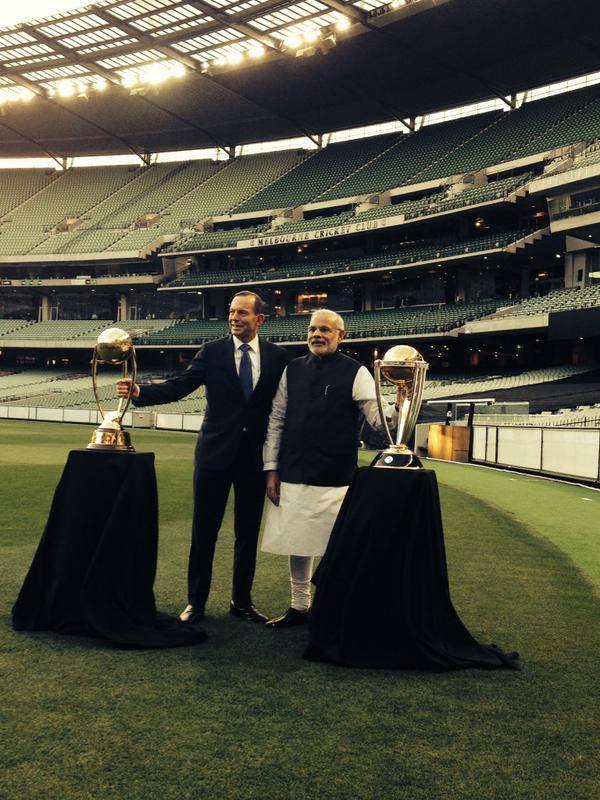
{"type": "Point", "coordinates": [228, 413]}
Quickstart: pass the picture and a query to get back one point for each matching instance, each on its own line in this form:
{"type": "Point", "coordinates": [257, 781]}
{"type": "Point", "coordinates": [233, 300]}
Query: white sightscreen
{"type": "Point", "coordinates": [50, 414]}
{"type": "Point", "coordinates": [479, 439]}
{"type": "Point", "coordinates": [519, 447]}
{"type": "Point", "coordinates": [172, 422]}
{"type": "Point", "coordinates": [571, 452]}
{"type": "Point", "coordinates": [192, 422]}
{"type": "Point", "coordinates": [18, 412]}
{"type": "Point", "coordinates": [490, 451]}
{"type": "Point", "coordinates": [77, 415]}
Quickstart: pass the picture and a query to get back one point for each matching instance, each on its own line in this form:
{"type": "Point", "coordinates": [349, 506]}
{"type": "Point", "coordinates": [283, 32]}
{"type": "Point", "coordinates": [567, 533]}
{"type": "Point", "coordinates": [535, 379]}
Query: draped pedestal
{"type": "Point", "coordinates": [94, 569]}
{"type": "Point", "coordinates": [382, 597]}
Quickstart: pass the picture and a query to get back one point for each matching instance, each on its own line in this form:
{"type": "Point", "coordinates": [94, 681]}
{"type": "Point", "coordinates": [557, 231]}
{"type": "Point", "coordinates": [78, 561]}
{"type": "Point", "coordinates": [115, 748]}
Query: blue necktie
{"type": "Point", "coordinates": [246, 371]}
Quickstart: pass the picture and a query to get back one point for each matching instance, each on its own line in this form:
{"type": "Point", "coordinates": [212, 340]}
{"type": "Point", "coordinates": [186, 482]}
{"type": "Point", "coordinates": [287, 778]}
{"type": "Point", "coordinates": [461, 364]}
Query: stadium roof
{"type": "Point", "coordinates": [260, 70]}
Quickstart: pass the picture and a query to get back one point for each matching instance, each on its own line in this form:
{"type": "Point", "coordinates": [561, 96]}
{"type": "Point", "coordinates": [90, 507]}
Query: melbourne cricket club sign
{"type": "Point", "coordinates": [322, 233]}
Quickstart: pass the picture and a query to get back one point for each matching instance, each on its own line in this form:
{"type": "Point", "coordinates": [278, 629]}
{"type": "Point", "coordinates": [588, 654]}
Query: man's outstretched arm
{"type": "Point", "coordinates": [168, 391]}
{"type": "Point", "coordinates": [365, 396]}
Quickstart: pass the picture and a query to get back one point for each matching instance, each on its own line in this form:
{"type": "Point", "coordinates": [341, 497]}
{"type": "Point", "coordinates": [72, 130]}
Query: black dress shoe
{"type": "Point", "coordinates": [247, 612]}
{"type": "Point", "coordinates": [290, 619]}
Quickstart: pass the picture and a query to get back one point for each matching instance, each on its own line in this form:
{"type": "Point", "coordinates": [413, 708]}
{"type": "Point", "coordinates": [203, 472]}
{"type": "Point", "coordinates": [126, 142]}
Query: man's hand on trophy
{"type": "Point", "coordinates": [123, 388]}
{"type": "Point", "coordinates": [273, 486]}
{"type": "Point", "coordinates": [400, 397]}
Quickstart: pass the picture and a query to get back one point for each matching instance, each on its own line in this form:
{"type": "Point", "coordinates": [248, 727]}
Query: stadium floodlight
{"type": "Point", "coordinates": [293, 42]}
{"type": "Point", "coordinates": [65, 88]}
{"type": "Point", "coordinates": [235, 57]}
{"type": "Point", "coordinates": [177, 69]}
{"type": "Point", "coordinates": [256, 51]}
{"type": "Point", "coordinates": [153, 73]}
{"type": "Point", "coordinates": [100, 84]}
{"type": "Point", "coordinates": [342, 24]}
{"type": "Point", "coordinates": [129, 79]}
{"type": "Point", "coordinates": [311, 35]}
{"type": "Point", "coordinates": [25, 95]}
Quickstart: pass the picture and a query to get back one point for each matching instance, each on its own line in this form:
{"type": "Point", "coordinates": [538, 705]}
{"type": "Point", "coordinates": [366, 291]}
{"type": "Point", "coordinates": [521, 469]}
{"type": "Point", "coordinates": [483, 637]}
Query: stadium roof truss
{"type": "Point", "coordinates": [248, 74]}
{"type": "Point", "coordinates": [128, 42]}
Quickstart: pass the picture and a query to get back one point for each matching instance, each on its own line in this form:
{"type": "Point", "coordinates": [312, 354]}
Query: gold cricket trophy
{"type": "Point", "coordinates": [114, 346]}
{"type": "Point", "coordinates": [404, 367]}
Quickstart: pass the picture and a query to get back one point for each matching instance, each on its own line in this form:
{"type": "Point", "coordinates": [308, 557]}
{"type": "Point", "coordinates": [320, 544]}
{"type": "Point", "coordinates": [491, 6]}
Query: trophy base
{"type": "Point", "coordinates": [397, 458]}
{"type": "Point", "coordinates": [104, 439]}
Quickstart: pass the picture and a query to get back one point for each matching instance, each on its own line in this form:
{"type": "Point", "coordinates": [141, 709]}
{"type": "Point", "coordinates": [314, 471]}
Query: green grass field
{"type": "Point", "coordinates": [244, 717]}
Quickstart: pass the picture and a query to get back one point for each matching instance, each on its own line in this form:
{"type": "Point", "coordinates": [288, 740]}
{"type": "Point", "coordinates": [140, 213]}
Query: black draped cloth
{"type": "Point", "coordinates": [382, 597]}
{"type": "Point", "coordinates": [93, 572]}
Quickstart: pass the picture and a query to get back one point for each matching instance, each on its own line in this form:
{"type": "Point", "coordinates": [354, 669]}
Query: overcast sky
{"type": "Point", "coordinates": [23, 10]}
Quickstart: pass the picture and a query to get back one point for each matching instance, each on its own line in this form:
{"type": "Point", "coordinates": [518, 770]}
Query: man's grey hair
{"type": "Point", "coordinates": [339, 320]}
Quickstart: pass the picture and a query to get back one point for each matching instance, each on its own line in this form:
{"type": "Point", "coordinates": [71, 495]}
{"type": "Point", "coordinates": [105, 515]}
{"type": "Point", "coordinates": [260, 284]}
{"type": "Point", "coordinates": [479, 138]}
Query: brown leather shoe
{"type": "Point", "coordinates": [248, 612]}
{"type": "Point", "coordinates": [290, 619]}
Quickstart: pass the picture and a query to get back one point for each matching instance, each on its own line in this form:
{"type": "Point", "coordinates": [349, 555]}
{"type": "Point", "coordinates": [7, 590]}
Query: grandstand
{"type": "Point", "coordinates": [57, 389]}
{"type": "Point", "coordinates": [547, 390]}
{"type": "Point", "coordinates": [103, 204]}
{"type": "Point", "coordinates": [120, 209]}
{"type": "Point", "coordinates": [359, 325]}
{"type": "Point", "coordinates": [471, 387]}
{"type": "Point", "coordinates": [583, 416]}
{"type": "Point", "coordinates": [560, 300]}
{"type": "Point", "coordinates": [424, 253]}
{"type": "Point", "coordinates": [67, 329]}
{"type": "Point", "coordinates": [588, 157]}
{"type": "Point", "coordinates": [8, 326]}
{"type": "Point", "coordinates": [458, 196]}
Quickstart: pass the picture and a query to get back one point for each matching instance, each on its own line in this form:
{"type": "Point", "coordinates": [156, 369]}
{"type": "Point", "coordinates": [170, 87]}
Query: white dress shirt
{"type": "Point", "coordinates": [254, 354]}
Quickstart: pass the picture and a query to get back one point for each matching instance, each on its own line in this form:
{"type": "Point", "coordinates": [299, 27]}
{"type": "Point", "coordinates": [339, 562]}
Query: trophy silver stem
{"type": "Point", "coordinates": [410, 406]}
{"type": "Point", "coordinates": [380, 401]}
{"type": "Point", "coordinates": [124, 402]}
{"type": "Point", "coordinates": [403, 415]}
{"type": "Point", "coordinates": [95, 384]}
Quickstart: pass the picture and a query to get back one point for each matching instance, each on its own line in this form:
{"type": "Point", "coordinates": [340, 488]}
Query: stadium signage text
{"type": "Point", "coordinates": [321, 233]}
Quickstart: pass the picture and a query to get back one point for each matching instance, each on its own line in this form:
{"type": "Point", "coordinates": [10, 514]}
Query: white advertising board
{"type": "Point", "coordinates": [571, 452]}
{"type": "Point", "coordinates": [519, 447]}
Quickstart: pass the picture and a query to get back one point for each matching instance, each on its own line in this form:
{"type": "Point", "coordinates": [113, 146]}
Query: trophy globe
{"type": "Point", "coordinates": [114, 346]}
{"type": "Point", "coordinates": [403, 367]}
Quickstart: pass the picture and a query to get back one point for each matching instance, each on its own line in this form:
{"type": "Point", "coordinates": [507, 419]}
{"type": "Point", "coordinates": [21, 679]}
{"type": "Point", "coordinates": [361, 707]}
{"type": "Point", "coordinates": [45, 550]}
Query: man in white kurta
{"type": "Point", "coordinates": [310, 452]}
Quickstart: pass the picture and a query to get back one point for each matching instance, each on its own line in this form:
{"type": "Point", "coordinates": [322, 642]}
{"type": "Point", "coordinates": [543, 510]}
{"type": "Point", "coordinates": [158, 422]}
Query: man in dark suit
{"type": "Point", "coordinates": [241, 374]}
